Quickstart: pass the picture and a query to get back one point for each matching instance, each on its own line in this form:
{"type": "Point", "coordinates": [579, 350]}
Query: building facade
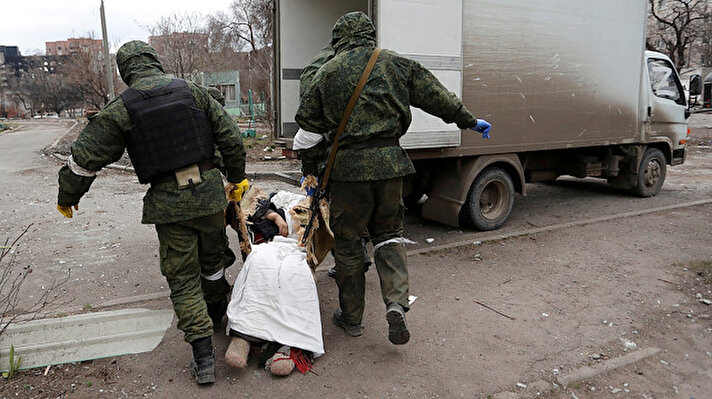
{"type": "Point", "coordinates": [73, 46]}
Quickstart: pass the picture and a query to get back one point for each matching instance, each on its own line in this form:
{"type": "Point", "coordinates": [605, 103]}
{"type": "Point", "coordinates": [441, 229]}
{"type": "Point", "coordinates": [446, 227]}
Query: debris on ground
{"type": "Point", "coordinates": [628, 344]}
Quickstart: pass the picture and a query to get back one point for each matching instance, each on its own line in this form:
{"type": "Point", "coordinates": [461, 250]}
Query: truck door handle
{"type": "Point", "coordinates": [650, 111]}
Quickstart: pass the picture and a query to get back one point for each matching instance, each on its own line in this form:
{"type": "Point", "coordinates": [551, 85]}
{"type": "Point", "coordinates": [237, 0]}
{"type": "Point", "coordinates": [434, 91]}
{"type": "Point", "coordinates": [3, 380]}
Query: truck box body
{"type": "Point", "coordinates": [550, 75]}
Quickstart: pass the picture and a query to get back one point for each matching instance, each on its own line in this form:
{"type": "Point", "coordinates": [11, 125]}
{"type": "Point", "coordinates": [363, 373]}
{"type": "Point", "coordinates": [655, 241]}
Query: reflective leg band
{"type": "Point", "coordinates": [399, 240]}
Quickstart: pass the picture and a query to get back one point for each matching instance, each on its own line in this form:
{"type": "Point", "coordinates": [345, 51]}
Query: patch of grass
{"type": "Point", "coordinates": [89, 383]}
{"type": "Point", "coordinates": [87, 307]}
{"type": "Point", "coordinates": [703, 269]}
{"type": "Point", "coordinates": [14, 364]}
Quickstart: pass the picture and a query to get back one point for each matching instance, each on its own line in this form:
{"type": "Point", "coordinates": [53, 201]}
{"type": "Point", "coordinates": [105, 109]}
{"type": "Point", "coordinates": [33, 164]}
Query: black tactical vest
{"type": "Point", "coordinates": [168, 132]}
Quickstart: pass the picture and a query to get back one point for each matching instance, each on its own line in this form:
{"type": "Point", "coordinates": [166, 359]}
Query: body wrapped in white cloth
{"type": "Point", "coordinates": [275, 297]}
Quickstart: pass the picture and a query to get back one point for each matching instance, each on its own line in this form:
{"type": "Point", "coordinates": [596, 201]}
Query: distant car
{"type": "Point", "coordinates": [50, 115]}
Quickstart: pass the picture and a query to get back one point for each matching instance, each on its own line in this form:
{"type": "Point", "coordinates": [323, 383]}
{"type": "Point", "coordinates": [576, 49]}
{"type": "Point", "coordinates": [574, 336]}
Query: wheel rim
{"type": "Point", "coordinates": [493, 200]}
{"type": "Point", "coordinates": [653, 170]}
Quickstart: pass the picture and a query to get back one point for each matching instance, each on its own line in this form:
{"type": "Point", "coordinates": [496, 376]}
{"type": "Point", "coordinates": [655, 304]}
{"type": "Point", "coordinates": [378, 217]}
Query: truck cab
{"type": "Point", "coordinates": [666, 114]}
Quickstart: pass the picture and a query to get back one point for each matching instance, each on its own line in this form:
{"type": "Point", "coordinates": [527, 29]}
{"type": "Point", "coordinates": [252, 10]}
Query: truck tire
{"type": "Point", "coordinates": [651, 173]}
{"type": "Point", "coordinates": [490, 199]}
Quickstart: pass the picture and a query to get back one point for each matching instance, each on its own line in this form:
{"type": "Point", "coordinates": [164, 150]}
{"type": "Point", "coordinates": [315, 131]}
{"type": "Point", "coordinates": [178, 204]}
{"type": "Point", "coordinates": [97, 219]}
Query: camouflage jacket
{"type": "Point", "coordinates": [104, 139]}
{"type": "Point", "coordinates": [383, 108]}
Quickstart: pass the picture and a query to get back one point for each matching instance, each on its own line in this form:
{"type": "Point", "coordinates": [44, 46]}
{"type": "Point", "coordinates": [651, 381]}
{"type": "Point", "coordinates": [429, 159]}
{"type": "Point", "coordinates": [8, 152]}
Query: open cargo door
{"type": "Point", "coordinates": [429, 32]}
{"type": "Point", "coordinates": [303, 28]}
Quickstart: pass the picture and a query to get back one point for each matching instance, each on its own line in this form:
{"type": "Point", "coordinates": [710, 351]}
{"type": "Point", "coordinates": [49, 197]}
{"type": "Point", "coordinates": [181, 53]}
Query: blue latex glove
{"type": "Point", "coordinates": [483, 127]}
{"type": "Point", "coordinates": [310, 191]}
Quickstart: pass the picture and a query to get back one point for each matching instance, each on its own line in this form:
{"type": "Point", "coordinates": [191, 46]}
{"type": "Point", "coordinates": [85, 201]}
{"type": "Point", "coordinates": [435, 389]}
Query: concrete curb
{"type": "Point", "coordinates": [535, 388]}
{"type": "Point", "coordinates": [131, 300]}
{"type": "Point", "coordinates": [497, 237]}
{"type": "Point", "coordinates": [606, 366]}
{"type": "Point", "coordinates": [13, 130]}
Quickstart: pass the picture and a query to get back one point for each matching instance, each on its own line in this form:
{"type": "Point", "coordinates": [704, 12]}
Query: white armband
{"type": "Point", "coordinates": [304, 140]}
{"type": "Point", "coordinates": [216, 276]}
{"type": "Point", "coordinates": [78, 170]}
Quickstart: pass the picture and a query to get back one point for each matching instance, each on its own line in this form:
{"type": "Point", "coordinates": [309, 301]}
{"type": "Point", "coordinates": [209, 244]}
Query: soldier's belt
{"type": "Point", "coordinates": [372, 143]}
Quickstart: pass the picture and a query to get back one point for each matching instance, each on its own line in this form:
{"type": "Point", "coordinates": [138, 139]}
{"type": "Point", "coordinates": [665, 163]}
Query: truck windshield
{"type": "Point", "coordinates": [664, 82]}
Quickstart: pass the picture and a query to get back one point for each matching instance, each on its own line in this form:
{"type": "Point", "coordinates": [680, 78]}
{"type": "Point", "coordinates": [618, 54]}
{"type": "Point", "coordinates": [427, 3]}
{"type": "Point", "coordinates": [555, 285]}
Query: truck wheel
{"type": "Point", "coordinates": [651, 174]}
{"type": "Point", "coordinates": [490, 199]}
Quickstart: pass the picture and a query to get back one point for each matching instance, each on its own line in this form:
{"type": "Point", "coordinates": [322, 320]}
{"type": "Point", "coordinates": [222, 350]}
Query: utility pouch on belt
{"type": "Point", "coordinates": [188, 177]}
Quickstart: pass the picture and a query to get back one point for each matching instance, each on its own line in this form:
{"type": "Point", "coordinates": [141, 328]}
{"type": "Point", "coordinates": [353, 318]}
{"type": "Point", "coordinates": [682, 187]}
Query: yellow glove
{"type": "Point", "coordinates": [67, 210]}
{"type": "Point", "coordinates": [237, 190]}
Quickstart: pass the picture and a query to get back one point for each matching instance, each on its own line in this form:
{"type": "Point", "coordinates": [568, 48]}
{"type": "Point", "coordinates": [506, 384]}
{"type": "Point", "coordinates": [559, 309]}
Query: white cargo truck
{"type": "Point", "coordinates": [566, 84]}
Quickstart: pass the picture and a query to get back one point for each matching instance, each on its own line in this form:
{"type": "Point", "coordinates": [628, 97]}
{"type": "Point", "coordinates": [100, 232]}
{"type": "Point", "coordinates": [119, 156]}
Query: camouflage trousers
{"type": "Point", "coordinates": [193, 253]}
{"type": "Point", "coordinates": [375, 206]}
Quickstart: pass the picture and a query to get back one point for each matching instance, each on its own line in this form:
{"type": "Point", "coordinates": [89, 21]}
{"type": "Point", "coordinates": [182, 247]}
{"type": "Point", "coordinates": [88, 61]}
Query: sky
{"type": "Point", "coordinates": [29, 24]}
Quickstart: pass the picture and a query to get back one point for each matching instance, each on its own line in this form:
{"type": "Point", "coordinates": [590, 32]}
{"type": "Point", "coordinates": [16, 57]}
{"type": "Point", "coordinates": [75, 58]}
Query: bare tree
{"type": "Point", "coordinates": [19, 93]}
{"type": "Point", "coordinates": [706, 42]}
{"type": "Point", "coordinates": [41, 89]}
{"type": "Point", "coordinates": [243, 39]}
{"type": "Point", "coordinates": [54, 91]}
{"type": "Point", "coordinates": [247, 26]}
{"type": "Point", "coordinates": [181, 41]}
{"type": "Point", "coordinates": [673, 25]}
{"type": "Point", "coordinates": [85, 72]}
{"type": "Point", "coordinates": [12, 277]}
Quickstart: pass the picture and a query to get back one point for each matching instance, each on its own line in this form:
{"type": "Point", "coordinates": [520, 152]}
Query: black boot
{"type": "Point", "coordinates": [203, 365]}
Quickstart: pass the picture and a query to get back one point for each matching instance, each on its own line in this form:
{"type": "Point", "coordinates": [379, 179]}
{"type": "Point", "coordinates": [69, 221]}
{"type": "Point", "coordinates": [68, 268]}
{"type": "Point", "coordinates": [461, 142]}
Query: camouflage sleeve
{"type": "Point", "coordinates": [313, 158]}
{"type": "Point", "coordinates": [428, 94]}
{"type": "Point", "coordinates": [226, 135]}
{"type": "Point", "coordinates": [100, 143]}
{"type": "Point", "coordinates": [310, 115]}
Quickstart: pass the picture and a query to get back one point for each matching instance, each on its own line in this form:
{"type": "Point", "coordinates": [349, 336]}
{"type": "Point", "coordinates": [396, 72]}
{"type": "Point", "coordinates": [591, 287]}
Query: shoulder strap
{"type": "Point", "coordinates": [347, 114]}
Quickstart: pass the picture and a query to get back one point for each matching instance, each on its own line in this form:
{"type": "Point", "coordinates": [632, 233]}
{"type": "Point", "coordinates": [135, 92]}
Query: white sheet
{"type": "Point", "coordinates": [275, 297]}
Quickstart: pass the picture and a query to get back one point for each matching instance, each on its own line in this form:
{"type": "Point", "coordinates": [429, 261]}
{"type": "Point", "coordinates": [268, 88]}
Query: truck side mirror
{"type": "Point", "coordinates": [695, 85]}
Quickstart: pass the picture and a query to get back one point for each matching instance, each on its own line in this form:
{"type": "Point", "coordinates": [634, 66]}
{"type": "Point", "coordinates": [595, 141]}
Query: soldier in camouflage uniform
{"type": "Point", "coordinates": [366, 179]}
{"type": "Point", "coordinates": [190, 223]}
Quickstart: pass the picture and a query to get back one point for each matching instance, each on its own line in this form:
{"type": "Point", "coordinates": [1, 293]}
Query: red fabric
{"type": "Point", "coordinates": [300, 359]}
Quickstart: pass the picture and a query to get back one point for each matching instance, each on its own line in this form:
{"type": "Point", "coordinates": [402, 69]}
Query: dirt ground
{"type": "Point", "coordinates": [495, 317]}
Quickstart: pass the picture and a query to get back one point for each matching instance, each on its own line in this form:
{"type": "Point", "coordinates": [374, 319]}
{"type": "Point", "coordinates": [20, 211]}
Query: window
{"type": "Point", "coordinates": [664, 81]}
{"type": "Point", "coordinates": [228, 91]}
